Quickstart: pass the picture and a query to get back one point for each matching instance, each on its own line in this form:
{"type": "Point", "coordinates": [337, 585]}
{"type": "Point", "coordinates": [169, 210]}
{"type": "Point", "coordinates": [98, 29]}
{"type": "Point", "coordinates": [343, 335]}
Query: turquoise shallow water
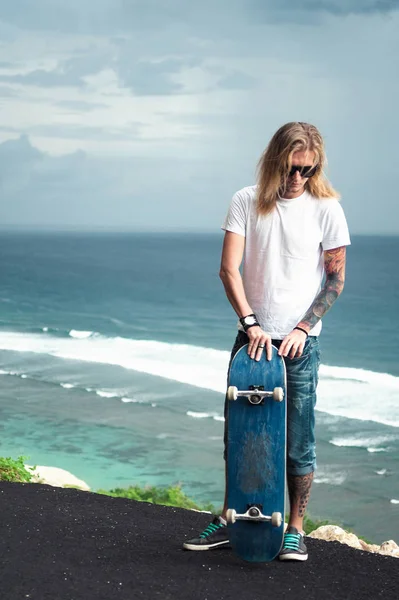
{"type": "Point", "coordinates": [113, 355]}
{"type": "Point", "coordinates": [109, 443]}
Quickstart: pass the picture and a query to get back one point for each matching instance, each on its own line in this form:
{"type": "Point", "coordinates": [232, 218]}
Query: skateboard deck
{"type": "Point", "coordinates": [256, 455]}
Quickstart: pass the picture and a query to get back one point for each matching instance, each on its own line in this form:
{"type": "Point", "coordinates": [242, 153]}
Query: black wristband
{"type": "Point", "coordinates": [253, 322]}
{"type": "Point", "coordinates": [304, 330]}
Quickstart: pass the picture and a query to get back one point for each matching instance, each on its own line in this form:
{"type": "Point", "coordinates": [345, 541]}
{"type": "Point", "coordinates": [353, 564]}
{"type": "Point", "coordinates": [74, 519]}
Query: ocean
{"type": "Point", "coordinates": [113, 357]}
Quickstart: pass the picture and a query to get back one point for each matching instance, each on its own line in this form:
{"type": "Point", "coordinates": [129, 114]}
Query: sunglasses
{"type": "Point", "coordinates": [303, 171]}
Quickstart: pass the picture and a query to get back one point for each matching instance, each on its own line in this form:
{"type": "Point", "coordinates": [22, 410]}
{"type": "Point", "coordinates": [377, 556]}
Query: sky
{"type": "Point", "coordinates": [150, 114]}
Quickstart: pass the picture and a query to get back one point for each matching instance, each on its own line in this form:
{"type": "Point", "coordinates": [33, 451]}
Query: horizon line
{"type": "Point", "coordinates": [117, 230]}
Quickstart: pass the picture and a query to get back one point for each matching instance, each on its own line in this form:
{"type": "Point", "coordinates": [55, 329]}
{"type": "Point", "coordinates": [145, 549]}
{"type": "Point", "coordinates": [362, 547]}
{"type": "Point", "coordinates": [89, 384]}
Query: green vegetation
{"type": "Point", "coordinates": [167, 496]}
{"type": "Point", "coordinates": [174, 496]}
{"type": "Point", "coordinates": [14, 470]}
{"type": "Point", "coordinates": [310, 525]}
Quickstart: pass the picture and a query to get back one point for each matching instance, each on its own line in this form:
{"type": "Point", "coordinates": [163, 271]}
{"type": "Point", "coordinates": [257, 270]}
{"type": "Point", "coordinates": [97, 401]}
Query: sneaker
{"type": "Point", "coordinates": [293, 546]}
{"type": "Point", "coordinates": [214, 536]}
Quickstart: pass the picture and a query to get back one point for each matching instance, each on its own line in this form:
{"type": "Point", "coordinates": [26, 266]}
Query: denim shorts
{"type": "Point", "coordinates": [302, 379]}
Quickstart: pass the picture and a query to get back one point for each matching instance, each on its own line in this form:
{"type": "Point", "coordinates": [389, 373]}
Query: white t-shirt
{"type": "Point", "coordinates": [283, 264]}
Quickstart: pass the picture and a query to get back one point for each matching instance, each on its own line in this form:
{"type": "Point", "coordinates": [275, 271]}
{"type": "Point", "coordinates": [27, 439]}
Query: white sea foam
{"type": "Point", "coordinates": [12, 373]}
{"type": "Point", "coordinates": [372, 444]}
{"type": "Point", "coordinates": [329, 478]}
{"type": "Point", "coordinates": [101, 393]}
{"type": "Point", "coordinates": [106, 394]}
{"type": "Point", "coordinates": [197, 415]}
{"type": "Point", "coordinates": [126, 400]}
{"type": "Point", "coordinates": [80, 335]}
{"type": "Point", "coordinates": [345, 392]}
{"type": "Point", "coordinates": [200, 415]}
{"type": "Point", "coordinates": [359, 394]}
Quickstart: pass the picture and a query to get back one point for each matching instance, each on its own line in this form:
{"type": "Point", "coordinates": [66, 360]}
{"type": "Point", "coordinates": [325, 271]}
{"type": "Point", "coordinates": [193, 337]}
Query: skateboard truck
{"type": "Point", "coordinates": [256, 394]}
{"type": "Point", "coordinates": [254, 513]}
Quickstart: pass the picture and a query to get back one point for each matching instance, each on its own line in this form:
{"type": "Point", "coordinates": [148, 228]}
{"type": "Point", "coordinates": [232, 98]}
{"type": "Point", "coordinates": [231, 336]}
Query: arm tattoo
{"type": "Point", "coordinates": [334, 266]}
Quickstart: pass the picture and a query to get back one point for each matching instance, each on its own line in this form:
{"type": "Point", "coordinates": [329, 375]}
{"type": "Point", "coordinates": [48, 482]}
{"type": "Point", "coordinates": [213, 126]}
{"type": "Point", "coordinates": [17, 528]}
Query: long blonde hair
{"type": "Point", "coordinates": [276, 161]}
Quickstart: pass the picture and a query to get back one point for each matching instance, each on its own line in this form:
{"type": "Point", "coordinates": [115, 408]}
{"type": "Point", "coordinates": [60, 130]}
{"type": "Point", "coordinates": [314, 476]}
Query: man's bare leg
{"type": "Point", "coordinates": [299, 493]}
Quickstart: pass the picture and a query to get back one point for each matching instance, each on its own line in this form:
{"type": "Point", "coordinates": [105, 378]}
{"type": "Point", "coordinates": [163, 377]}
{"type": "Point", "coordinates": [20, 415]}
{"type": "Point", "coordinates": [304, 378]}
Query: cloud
{"type": "Point", "coordinates": [345, 7]}
{"type": "Point", "coordinates": [82, 192]}
{"type": "Point", "coordinates": [78, 132]}
{"type": "Point", "coordinates": [150, 79]}
{"type": "Point", "coordinates": [92, 17]}
{"type": "Point", "coordinates": [237, 80]}
{"type": "Point", "coordinates": [120, 17]}
{"type": "Point", "coordinates": [43, 78]}
{"type": "Point", "coordinates": [132, 193]}
{"type": "Point", "coordinates": [315, 12]}
{"type": "Point", "coordinates": [37, 188]}
{"type": "Point", "coordinates": [55, 15]}
{"type": "Point", "coordinates": [172, 104]}
{"type": "Point", "coordinates": [68, 72]}
{"type": "Point", "coordinates": [18, 159]}
{"type": "Point", "coordinates": [7, 92]}
{"type": "Point", "coordinates": [79, 105]}
{"type": "Point", "coordinates": [15, 152]}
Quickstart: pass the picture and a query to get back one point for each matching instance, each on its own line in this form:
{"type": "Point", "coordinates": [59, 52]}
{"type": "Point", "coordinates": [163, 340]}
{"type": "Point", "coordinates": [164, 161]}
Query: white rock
{"type": "Point", "coordinates": [333, 533]}
{"type": "Point", "coordinates": [389, 548]}
{"type": "Point", "coordinates": [369, 547]}
{"type": "Point", "coordinates": [57, 478]}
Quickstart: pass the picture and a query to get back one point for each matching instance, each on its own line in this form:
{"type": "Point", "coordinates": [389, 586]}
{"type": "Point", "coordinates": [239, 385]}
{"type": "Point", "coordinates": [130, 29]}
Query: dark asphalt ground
{"type": "Point", "coordinates": [64, 544]}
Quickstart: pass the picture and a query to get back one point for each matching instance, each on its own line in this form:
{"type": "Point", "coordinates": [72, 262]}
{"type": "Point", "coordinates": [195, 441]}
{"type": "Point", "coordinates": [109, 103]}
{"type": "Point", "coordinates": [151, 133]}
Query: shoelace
{"type": "Point", "coordinates": [212, 527]}
{"type": "Point", "coordinates": [291, 541]}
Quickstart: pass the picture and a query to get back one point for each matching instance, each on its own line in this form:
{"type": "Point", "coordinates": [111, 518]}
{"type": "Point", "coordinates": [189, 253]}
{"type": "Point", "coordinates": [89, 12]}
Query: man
{"type": "Point", "coordinates": [290, 232]}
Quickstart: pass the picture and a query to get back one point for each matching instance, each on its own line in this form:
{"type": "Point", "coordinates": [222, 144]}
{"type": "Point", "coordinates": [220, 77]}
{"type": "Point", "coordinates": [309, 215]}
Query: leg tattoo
{"type": "Point", "coordinates": [299, 493]}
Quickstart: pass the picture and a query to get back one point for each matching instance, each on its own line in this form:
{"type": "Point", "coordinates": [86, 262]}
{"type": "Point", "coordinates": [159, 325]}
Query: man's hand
{"type": "Point", "coordinates": [293, 344]}
{"type": "Point", "coordinates": [258, 340]}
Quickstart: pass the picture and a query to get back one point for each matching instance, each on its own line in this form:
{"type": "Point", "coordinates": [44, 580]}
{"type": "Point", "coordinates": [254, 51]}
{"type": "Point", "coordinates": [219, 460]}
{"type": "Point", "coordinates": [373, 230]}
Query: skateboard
{"type": "Point", "coordinates": [256, 455]}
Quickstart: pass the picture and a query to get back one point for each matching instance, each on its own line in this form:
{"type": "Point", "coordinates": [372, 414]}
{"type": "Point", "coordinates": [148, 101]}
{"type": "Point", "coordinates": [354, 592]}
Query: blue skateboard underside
{"type": "Point", "coordinates": [256, 455]}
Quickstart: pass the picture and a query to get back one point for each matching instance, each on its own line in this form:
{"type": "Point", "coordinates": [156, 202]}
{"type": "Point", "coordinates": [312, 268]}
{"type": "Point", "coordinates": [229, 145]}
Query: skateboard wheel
{"type": "Point", "coordinates": [277, 519]}
{"type": "Point", "coordinates": [278, 394]}
{"type": "Point", "coordinates": [231, 515]}
{"type": "Point", "coordinates": [232, 393]}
